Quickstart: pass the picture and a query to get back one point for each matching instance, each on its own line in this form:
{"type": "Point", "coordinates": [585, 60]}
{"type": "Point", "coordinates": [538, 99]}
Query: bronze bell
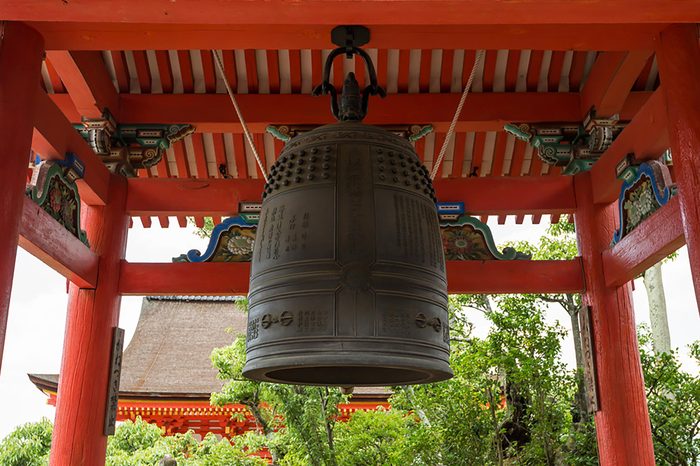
{"type": "Point", "coordinates": [348, 283]}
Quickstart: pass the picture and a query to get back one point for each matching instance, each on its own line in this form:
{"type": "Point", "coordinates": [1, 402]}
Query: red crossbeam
{"type": "Point", "coordinates": [87, 81]}
{"type": "Point", "coordinates": [50, 242]}
{"type": "Point", "coordinates": [328, 12]}
{"type": "Point", "coordinates": [482, 196]}
{"type": "Point", "coordinates": [645, 136]}
{"type": "Point", "coordinates": [654, 239]}
{"type": "Point", "coordinates": [213, 112]}
{"type": "Point", "coordinates": [231, 278]}
{"type": "Point", "coordinates": [611, 79]}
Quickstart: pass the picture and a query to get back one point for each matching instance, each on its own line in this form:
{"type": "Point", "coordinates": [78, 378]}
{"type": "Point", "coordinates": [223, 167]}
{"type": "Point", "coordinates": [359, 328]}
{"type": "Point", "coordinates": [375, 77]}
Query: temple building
{"type": "Point", "coordinates": [167, 376]}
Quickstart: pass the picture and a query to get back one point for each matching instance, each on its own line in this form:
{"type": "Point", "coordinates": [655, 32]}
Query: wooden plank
{"type": "Point", "coordinates": [47, 240]}
{"type": "Point", "coordinates": [185, 197]}
{"type": "Point", "coordinates": [326, 12]}
{"type": "Point", "coordinates": [86, 79]}
{"type": "Point", "coordinates": [481, 195]}
{"type": "Point", "coordinates": [182, 278]}
{"type": "Point", "coordinates": [484, 112]}
{"type": "Point", "coordinates": [232, 278]}
{"type": "Point", "coordinates": [515, 276]}
{"type": "Point", "coordinates": [610, 81]}
{"type": "Point", "coordinates": [54, 136]}
{"type": "Point", "coordinates": [653, 240]}
{"type": "Point", "coordinates": [645, 136]}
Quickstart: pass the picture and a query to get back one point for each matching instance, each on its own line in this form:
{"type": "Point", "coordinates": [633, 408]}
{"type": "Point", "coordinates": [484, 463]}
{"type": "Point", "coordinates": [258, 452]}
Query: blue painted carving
{"type": "Point", "coordinates": [53, 188]}
{"type": "Point", "coordinates": [467, 238]}
{"type": "Point", "coordinates": [646, 187]}
{"type": "Point", "coordinates": [231, 240]}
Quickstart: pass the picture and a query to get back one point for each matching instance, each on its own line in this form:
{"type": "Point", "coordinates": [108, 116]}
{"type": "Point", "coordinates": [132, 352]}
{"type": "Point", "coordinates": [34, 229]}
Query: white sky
{"type": "Point", "coordinates": [38, 313]}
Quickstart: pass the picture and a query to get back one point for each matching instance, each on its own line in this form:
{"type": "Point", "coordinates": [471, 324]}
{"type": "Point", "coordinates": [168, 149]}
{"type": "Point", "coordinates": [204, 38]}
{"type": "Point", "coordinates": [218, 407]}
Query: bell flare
{"type": "Point", "coordinates": [362, 371]}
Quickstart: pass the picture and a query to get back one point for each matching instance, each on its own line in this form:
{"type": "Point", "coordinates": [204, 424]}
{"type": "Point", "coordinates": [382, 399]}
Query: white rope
{"type": "Point", "coordinates": [246, 131]}
{"type": "Point", "coordinates": [453, 124]}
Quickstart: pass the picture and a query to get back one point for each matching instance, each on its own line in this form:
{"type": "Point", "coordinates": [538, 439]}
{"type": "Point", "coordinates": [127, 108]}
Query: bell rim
{"type": "Point", "coordinates": [427, 370]}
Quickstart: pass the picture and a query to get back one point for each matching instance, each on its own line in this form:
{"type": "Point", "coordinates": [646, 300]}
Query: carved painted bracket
{"type": "Point", "coordinates": [463, 237]}
{"type": "Point", "coordinates": [467, 238]}
{"type": "Point", "coordinates": [576, 147]}
{"type": "Point", "coordinates": [53, 188]}
{"type": "Point", "coordinates": [231, 240]}
{"type": "Point", "coordinates": [646, 187]}
{"type": "Point", "coordinates": [127, 148]}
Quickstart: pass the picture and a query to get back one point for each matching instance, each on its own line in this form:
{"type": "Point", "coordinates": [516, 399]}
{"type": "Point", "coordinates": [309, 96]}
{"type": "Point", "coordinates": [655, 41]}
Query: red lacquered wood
{"type": "Point", "coordinates": [622, 423]}
{"type": "Point", "coordinates": [182, 278]}
{"type": "Point", "coordinates": [232, 278]}
{"type": "Point", "coordinates": [21, 50]}
{"type": "Point", "coordinates": [653, 240]}
{"type": "Point", "coordinates": [50, 242]}
{"type": "Point", "coordinates": [611, 79]}
{"type": "Point", "coordinates": [679, 65]}
{"type": "Point", "coordinates": [92, 313]}
{"type": "Point", "coordinates": [485, 112]}
{"type": "Point", "coordinates": [645, 136]}
{"type": "Point", "coordinates": [188, 36]}
{"type": "Point", "coordinates": [54, 136]}
{"type": "Point", "coordinates": [176, 197]}
{"type": "Point", "coordinates": [86, 79]}
{"type": "Point", "coordinates": [220, 197]}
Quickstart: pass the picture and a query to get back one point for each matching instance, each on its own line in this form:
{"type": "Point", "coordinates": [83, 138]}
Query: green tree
{"type": "Point", "coordinates": [28, 445]}
{"type": "Point", "coordinates": [290, 417]}
{"type": "Point", "coordinates": [673, 397]}
{"type": "Point", "coordinates": [139, 443]}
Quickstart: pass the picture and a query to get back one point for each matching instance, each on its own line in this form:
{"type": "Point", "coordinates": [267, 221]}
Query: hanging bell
{"type": "Point", "coordinates": [348, 283]}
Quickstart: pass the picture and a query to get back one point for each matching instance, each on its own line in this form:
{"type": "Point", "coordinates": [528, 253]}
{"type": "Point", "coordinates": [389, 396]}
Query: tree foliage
{"type": "Point", "coordinates": [673, 398]}
{"type": "Point", "coordinates": [28, 445]}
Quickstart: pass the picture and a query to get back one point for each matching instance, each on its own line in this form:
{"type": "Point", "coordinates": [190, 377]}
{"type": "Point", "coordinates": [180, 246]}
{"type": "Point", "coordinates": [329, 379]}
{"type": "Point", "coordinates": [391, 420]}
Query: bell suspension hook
{"type": "Point", "coordinates": [352, 105]}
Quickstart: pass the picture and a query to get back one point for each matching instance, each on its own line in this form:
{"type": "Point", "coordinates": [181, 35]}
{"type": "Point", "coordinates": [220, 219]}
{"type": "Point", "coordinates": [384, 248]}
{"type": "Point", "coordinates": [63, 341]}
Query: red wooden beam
{"type": "Point", "coordinates": [231, 278]}
{"type": "Point", "coordinates": [86, 79]}
{"type": "Point", "coordinates": [116, 36]}
{"type": "Point", "coordinates": [515, 276]}
{"type": "Point", "coordinates": [509, 195]}
{"type": "Point", "coordinates": [483, 111]}
{"type": "Point", "coordinates": [182, 278]}
{"type": "Point", "coordinates": [645, 136]}
{"type": "Point", "coordinates": [611, 79]}
{"type": "Point", "coordinates": [54, 136]}
{"type": "Point", "coordinates": [180, 197]}
{"type": "Point", "coordinates": [50, 242]}
{"type": "Point", "coordinates": [481, 195]}
{"type": "Point", "coordinates": [328, 12]}
{"type": "Point", "coordinates": [654, 239]}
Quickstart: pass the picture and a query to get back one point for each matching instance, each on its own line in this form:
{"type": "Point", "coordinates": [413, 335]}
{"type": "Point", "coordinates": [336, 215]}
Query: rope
{"type": "Point", "coordinates": [246, 131]}
{"type": "Point", "coordinates": [453, 124]}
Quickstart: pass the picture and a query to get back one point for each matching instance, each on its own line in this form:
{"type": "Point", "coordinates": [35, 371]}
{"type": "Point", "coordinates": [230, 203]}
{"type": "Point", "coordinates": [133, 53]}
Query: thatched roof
{"type": "Point", "coordinates": [169, 354]}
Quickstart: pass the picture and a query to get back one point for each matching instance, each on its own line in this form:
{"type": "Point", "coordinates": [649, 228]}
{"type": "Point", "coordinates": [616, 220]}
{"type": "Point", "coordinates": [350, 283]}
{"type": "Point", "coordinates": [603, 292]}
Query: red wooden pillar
{"type": "Point", "coordinates": [92, 313]}
{"type": "Point", "coordinates": [21, 50]}
{"type": "Point", "coordinates": [678, 55]}
{"type": "Point", "coordinates": [622, 422]}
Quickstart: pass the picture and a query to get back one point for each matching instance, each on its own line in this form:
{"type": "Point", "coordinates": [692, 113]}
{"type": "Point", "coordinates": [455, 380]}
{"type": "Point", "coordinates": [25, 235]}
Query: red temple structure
{"type": "Point", "coordinates": [123, 102]}
{"type": "Point", "coordinates": [167, 376]}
